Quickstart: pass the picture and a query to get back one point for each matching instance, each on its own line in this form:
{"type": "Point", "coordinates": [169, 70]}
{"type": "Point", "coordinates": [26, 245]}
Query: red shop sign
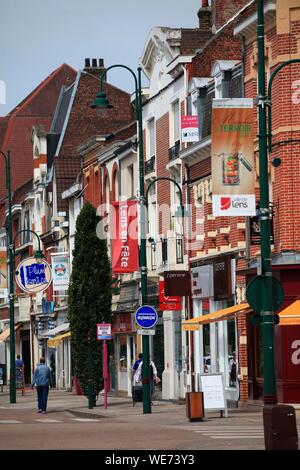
{"type": "Point", "coordinates": [167, 302]}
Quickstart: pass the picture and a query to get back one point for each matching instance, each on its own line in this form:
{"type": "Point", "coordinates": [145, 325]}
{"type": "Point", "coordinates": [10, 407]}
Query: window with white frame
{"type": "Point", "coordinates": [26, 235]}
{"type": "Point", "coordinates": [174, 123]}
{"type": "Point", "coordinates": [150, 145]}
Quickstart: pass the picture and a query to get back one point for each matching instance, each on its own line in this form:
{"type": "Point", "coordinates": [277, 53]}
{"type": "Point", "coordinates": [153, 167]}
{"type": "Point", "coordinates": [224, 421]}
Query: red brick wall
{"type": "Point", "coordinates": [225, 46]}
{"type": "Point", "coordinates": [162, 159]}
{"type": "Point", "coordinates": [223, 10]}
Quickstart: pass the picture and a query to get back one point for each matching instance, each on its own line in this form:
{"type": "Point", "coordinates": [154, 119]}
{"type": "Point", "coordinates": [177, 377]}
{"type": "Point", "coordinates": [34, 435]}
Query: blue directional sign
{"type": "Point", "coordinates": [146, 316]}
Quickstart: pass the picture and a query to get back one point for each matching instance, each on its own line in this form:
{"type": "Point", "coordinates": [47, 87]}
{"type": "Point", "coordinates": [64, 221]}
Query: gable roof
{"type": "Point", "coordinates": [81, 122]}
{"type": "Point", "coordinates": [15, 128]}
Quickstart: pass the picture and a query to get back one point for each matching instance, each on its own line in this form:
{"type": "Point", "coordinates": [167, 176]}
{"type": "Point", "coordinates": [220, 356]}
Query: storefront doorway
{"type": "Point", "coordinates": [126, 355]}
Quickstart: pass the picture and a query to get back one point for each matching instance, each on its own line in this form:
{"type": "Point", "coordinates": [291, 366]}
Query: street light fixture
{"type": "Point", "coordinates": [101, 102]}
{"type": "Point", "coordinates": [12, 379]}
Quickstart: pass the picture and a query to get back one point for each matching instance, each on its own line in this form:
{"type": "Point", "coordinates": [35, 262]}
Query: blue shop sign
{"type": "Point", "coordinates": [33, 276]}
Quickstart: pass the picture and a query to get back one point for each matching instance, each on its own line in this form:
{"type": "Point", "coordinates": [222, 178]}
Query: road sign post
{"type": "Point", "coordinates": [104, 334]}
{"type": "Point", "coordinates": [146, 317]}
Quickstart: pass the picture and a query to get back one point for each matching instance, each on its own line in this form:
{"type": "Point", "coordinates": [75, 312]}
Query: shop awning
{"type": "Point", "coordinates": [6, 333]}
{"type": "Point", "coordinates": [54, 342]}
{"type": "Point", "coordinates": [220, 315]}
{"type": "Point", "coordinates": [58, 329]}
{"type": "Point", "coordinates": [290, 315]}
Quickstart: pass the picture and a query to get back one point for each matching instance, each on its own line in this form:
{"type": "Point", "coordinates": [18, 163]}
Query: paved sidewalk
{"type": "Point", "coordinates": [126, 426]}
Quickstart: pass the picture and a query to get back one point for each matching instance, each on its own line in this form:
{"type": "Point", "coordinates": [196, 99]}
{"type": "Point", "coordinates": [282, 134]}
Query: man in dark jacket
{"type": "Point", "coordinates": [42, 380]}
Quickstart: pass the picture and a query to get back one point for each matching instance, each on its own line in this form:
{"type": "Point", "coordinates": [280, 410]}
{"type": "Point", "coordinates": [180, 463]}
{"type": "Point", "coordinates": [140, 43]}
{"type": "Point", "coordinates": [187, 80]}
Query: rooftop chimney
{"type": "Point", "coordinates": [204, 15]}
{"type": "Point", "coordinates": [94, 65]}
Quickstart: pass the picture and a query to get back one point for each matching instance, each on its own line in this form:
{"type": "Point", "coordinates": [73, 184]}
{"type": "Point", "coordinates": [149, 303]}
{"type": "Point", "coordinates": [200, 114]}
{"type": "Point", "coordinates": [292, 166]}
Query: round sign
{"type": "Point", "coordinates": [146, 316]}
{"type": "Point", "coordinates": [254, 297]}
{"type": "Point", "coordinates": [33, 275]}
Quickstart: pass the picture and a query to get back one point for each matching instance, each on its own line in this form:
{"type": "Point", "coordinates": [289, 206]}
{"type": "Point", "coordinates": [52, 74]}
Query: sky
{"type": "Point", "coordinates": [37, 36]}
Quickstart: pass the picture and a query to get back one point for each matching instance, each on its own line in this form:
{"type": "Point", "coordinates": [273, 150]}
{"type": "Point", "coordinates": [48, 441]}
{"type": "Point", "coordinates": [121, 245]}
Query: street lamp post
{"type": "Point", "coordinates": [102, 102]}
{"type": "Point", "coordinates": [267, 312]}
{"type": "Point", "coordinates": [265, 144]}
{"type": "Point", "coordinates": [12, 380]}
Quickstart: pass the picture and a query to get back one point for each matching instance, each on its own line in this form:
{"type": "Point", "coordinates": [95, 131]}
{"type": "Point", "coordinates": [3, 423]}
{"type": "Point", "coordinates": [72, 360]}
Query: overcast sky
{"type": "Point", "coordinates": [36, 36]}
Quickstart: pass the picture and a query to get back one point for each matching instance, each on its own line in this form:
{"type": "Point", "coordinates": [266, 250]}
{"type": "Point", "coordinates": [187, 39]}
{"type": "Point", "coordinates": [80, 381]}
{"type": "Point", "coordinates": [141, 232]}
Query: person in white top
{"type": "Point", "coordinates": [153, 375]}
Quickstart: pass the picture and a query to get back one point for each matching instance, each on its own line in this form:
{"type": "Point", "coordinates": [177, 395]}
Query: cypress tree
{"type": "Point", "coordinates": [89, 298]}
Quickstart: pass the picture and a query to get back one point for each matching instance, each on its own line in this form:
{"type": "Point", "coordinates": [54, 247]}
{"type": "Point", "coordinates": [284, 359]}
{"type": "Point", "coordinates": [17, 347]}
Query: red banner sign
{"type": "Point", "coordinates": [167, 302]}
{"type": "Point", "coordinates": [125, 252]}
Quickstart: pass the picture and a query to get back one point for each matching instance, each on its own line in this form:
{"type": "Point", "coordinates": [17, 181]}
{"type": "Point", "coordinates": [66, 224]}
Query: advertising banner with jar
{"type": "Point", "coordinates": [124, 237]}
{"type": "Point", "coordinates": [233, 173]}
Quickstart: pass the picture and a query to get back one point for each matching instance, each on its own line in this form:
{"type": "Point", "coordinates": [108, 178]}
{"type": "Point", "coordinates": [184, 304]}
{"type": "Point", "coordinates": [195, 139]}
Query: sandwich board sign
{"type": "Point", "coordinates": [212, 386]}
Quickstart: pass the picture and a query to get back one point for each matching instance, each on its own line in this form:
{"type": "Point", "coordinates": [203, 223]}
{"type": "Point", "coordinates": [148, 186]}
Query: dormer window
{"type": "Point", "coordinates": [221, 72]}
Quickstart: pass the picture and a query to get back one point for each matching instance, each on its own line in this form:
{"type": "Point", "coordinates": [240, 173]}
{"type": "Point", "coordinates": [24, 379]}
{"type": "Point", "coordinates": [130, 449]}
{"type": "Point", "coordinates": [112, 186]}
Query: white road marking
{"type": "Point", "coordinates": [87, 420]}
{"type": "Point", "coordinates": [46, 420]}
{"type": "Point", "coordinates": [10, 421]}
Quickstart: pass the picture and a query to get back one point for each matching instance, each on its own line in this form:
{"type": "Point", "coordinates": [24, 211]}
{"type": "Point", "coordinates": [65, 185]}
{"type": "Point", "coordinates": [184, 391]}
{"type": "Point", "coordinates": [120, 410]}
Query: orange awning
{"type": "Point", "coordinates": [6, 333]}
{"type": "Point", "coordinates": [220, 315]}
{"type": "Point", "coordinates": [290, 315]}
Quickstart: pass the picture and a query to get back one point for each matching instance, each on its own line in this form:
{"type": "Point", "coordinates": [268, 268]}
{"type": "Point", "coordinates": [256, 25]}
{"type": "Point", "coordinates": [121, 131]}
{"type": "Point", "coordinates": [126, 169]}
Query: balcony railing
{"type": "Point", "coordinates": [150, 165]}
{"type": "Point", "coordinates": [174, 151]}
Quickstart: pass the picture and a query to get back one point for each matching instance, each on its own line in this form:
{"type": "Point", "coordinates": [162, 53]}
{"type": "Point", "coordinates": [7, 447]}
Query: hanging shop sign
{"type": "Point", "coordinates": [255, 231]}
{"type": "Point", "coordinates": [124, 237]}
{"type": "Point", "coordinates": [233, 172]}
{"type": "Point", "coordinates": [33, 275]}
{"type": "Point", "coordinates": [60, 271]}
{"type": "Point", "coordinates": [177, 283]}
{"type": "Point", "coordinates": [189, 129]}
{"type": "Point", "coordinates": [167, 302]}
{"type": "Point", "coordinates": [202, 281]}
{"type": "Point", "coordinates": [222, 278]}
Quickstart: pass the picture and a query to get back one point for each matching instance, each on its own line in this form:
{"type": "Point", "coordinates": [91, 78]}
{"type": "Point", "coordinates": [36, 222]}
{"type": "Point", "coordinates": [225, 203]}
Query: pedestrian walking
{"type": "Point", "coordinates": [154, 379]}
{"type": "Point", "coordinates": [19, 361]}
{"type": "Point", "coordinates": [233, 371]}
{"type": "Point", "coordinates": [42, 380]}
{"type": "Point", "coordinates": [137, 363]}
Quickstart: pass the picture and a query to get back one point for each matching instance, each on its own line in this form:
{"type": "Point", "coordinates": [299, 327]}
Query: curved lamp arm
{"type": "Point", "coordinates": [39, 252]}
{"type": "Point", "coordinates": [172, 181]}
{"type": "Point", "coordinates": [288, 62]}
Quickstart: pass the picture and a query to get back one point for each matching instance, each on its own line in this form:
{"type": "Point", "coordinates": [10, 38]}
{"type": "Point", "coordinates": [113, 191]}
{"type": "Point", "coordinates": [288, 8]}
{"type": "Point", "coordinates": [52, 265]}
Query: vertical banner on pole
{"type": "Point", "coordinates": [124, 237]}
{"type": "Point", "coordinates": [233, 172]}
{"type": "Point", "coordinates": [60, 271]}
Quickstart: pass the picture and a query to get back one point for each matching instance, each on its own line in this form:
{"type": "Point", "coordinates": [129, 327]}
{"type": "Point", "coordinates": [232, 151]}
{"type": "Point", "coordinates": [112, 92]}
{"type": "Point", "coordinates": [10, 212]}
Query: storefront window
{"type": "Point", "coordinates": [123, 353]}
